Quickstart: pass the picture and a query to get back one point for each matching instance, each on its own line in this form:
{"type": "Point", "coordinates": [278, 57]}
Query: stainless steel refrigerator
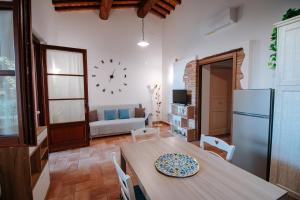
{"type": "Point", "coordinates": [252, 130]}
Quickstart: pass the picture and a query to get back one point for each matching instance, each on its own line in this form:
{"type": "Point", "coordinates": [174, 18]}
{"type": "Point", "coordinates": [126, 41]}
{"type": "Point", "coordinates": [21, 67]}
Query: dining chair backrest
{"type": "Point", "coordinates": [143, 132]}
{"type": "Point", "coordinates": [218, 143]}
{"type": "Point", "coordinates": [127, 189]}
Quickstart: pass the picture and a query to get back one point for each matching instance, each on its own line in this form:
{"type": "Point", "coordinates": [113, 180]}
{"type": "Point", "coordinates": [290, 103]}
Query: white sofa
{"type": "Point", "coordinates": [118, 126]}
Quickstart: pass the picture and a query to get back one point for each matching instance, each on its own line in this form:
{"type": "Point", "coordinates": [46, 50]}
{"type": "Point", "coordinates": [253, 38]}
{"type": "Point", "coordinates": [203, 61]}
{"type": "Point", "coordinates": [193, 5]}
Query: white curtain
{"type": "Point", "coordinates": [8, 103]}
{"type": "Point", "coordinates": [60, 64]}
{"type": "Point", "coordinates": [63, 87]}
{"type": "Point", "coordinates": [64, 62]}
{"type": "Point", "coordinates": [66, 111]}
{"type": "Point", "coordinates": [7, 51]}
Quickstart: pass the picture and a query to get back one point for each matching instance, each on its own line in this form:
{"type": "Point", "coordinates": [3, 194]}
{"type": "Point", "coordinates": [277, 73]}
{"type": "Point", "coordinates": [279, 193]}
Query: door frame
{"type": "Point", "coordinates": [44, 48]}
{"type": "Point", "coordinates": [38, 78]}
{"type": "Point", "coordinates": [236, 77]}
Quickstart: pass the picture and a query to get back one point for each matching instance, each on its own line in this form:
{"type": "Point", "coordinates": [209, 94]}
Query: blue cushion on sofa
{"type": "Point", "coordinates": [124, 113]}
{"type": "Point", "coordinates": [110, 114]}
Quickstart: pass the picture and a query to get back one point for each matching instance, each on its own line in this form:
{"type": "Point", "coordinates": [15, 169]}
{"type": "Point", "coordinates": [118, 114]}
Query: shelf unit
{"type": "Point", "coordinates": [182, 122]}
{"type": "Point", "coordinates": [39, 169]}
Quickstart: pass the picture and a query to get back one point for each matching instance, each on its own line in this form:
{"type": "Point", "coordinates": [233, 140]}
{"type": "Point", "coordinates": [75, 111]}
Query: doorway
{"type": "Point", "coordinates": [222, 74]}
{"type": "Point", "coordinates": [217, 98]}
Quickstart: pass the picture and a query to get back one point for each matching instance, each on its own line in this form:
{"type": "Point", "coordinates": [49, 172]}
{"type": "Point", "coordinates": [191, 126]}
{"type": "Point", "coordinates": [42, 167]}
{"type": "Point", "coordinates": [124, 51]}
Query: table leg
{"type": "Point", "coordinates": [123, 163]}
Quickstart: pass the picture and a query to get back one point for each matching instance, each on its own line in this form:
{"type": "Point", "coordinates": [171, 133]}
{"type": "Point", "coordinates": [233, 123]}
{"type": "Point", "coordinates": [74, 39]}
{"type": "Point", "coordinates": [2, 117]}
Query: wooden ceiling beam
{"type": "Point", "coordinates": [166, 5]}
{"type": "Point", "coordinates": [60, 3]}
{"type": "Point", "coordinates": [146, 6]}
{"type": "Point", "coordinates": [162, 10]}
{"type": "Point", "coordinates": [124, 2]}
{"type": "Point", "coordinates": [76, 8]}
{"type": "Point", "coordinates": [76, 4]}
{"type": "Point", "coordinates": [68, 3]}
{"type": "Point", "coordinates": [105, 7]}
{"type": "Point", "coordinates": [157, 13]}
{"type": "Point", "coordinates": [178, 1]}
{"type": "Point", "coordinates": [170, 2]}
{"type": "Point", "coordinates": [120, 6]}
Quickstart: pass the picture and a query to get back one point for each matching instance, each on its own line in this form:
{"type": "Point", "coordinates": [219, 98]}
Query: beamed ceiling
{"type": "Point", "coordinates": [160, 8]}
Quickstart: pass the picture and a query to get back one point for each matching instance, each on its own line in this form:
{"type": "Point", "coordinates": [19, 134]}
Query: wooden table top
{"type": "Point", "coordinates": [217, 179]}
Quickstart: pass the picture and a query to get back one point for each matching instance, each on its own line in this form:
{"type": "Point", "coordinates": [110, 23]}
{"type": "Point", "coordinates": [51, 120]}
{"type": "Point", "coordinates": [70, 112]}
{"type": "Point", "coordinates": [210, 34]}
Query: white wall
{"type": "Point", "coordinates": [104, 40]}
{"type": "Point", "coordinates": [184, 36]}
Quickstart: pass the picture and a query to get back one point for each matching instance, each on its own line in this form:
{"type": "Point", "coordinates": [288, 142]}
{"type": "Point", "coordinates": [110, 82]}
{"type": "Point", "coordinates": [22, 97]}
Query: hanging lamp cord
{"type": "Point", "coordinates": [143, 29]}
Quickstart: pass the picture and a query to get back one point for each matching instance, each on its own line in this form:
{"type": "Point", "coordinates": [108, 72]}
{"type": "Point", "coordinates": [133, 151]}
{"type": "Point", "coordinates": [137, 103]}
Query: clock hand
{"type": "Point", "coordinates": [112, 75]}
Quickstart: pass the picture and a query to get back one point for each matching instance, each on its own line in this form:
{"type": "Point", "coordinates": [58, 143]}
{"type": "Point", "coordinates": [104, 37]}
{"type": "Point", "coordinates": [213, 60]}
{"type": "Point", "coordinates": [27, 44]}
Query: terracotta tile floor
{"type": "Point", "coordinates": [87, 173]}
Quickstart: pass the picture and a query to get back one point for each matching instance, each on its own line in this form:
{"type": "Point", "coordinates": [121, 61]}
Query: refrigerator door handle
{"type": "Point", "coordinates": [251, 114]}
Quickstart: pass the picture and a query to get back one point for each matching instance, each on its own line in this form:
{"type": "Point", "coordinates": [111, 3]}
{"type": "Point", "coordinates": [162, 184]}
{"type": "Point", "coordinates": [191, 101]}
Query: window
{"type": "Point", "coordinates": [16, 102]}
{"type": "Point", "coordinates": [8, 93]}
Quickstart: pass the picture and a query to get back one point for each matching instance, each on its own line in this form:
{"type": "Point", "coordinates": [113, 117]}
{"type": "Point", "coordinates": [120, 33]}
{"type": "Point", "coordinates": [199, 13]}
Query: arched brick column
{"type": "Point", "coordinates": [189, 79]}
{"type": "Point", "coordinates": [240, 56]}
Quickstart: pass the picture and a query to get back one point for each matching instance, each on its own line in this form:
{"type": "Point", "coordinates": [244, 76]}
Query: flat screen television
{"type": "Point", "coordinates": [180, 96]}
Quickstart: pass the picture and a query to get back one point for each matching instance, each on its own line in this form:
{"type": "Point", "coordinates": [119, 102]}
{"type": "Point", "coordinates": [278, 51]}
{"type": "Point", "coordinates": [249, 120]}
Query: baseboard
{"type": "Point", "coordinates": [161, 122]}
{"type": "Point", "coordinates": [291, 193]}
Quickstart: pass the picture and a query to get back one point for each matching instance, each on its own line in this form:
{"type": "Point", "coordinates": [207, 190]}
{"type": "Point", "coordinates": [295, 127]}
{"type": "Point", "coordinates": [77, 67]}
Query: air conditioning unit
{"type": "Point", "coordinates": [222, 20]}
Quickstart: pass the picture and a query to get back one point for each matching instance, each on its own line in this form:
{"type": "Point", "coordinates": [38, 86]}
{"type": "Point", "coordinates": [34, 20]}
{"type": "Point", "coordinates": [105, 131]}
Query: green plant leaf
{"type": "Point", "coordinates": [292, 12]}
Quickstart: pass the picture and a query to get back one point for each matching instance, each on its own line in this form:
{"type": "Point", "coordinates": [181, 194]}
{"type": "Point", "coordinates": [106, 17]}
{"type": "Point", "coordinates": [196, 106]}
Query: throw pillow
{"type": "Point", "coordinates": [139, 112]}
{"type": "Point", "coordinates": [110, 114]}
{"type": "Point", "coordinates": [123, 113]}
{"type": "Point", "coordinates": [93, 116]}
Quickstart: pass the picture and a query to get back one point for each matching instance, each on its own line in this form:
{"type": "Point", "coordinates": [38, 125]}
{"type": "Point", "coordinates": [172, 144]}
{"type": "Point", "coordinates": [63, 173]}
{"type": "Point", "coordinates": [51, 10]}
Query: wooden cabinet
{"type": "Point", "coordinates": [285, 164]}
{"type": "Point", "coordinates": [182, 121]}
{"type": "Point", "coordinates": [24, 171]}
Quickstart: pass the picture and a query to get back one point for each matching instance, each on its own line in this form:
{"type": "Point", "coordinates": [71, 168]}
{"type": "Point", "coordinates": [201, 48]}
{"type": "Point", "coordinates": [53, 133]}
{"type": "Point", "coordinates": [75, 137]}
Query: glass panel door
{"type": "Point", "coordinates": [65, 86]}
{"type": "Point", "coordinates": [67, 96]}
{"type": "Point", "coordinates": [8, 94]}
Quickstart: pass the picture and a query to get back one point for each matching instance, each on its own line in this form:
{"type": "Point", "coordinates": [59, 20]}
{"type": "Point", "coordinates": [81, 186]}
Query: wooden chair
{"type": "Point", "coordinates": [218, 143]}
{"type": "Point", "coordinates": [144, 132]}
{"type": "Point", "coordinates": [128, 191]}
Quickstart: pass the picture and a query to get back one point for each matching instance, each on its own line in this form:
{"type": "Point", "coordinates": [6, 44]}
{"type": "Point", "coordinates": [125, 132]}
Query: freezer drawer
{"type": "Point", "coordinates": [251, 138]}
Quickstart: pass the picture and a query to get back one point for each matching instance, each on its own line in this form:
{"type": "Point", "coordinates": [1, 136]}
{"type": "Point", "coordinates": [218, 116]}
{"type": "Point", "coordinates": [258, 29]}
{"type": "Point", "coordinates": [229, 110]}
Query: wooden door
{"type": "Point", "coordinates": [220, 101]}
{"type": "Point", "coordinates": [38, 78]}
{"type": "Point", "coordinates": [285, 162]}
{"type": "Point", "coordinates": [67, 97]}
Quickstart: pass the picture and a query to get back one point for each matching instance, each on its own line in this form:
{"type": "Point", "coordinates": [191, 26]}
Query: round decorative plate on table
{"type": "Point", "coordinates": [177, 165]}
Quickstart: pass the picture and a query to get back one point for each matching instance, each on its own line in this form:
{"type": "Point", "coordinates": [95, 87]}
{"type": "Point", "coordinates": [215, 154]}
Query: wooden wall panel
{"type": "Point", "coordinates": [68, 136]}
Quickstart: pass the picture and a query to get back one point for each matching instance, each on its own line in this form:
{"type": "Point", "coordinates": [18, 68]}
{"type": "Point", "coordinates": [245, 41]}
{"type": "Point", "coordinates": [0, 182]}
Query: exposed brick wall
{"type": "Point", "coordinates": [189, 79]}
{"type": "Point", "coordinates": [239, 74]}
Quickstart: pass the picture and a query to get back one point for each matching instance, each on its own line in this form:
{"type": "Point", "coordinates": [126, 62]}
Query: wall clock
{"type": "Point", "coordinates": [113, 76]}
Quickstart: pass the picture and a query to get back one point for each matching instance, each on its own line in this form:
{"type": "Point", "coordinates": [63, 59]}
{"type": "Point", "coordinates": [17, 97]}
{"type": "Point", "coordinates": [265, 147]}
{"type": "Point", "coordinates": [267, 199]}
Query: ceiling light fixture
{"type": "Point", "coordinates": [143, 43]}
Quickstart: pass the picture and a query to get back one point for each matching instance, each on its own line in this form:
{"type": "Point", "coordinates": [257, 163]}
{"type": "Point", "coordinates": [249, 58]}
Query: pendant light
{"type": "Point", "coordinates": [143, 43]}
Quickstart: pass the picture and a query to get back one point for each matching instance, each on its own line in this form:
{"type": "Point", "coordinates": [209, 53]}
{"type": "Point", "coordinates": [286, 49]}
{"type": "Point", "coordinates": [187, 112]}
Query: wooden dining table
{"type": "Point", "coordinates": [216, 179]}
